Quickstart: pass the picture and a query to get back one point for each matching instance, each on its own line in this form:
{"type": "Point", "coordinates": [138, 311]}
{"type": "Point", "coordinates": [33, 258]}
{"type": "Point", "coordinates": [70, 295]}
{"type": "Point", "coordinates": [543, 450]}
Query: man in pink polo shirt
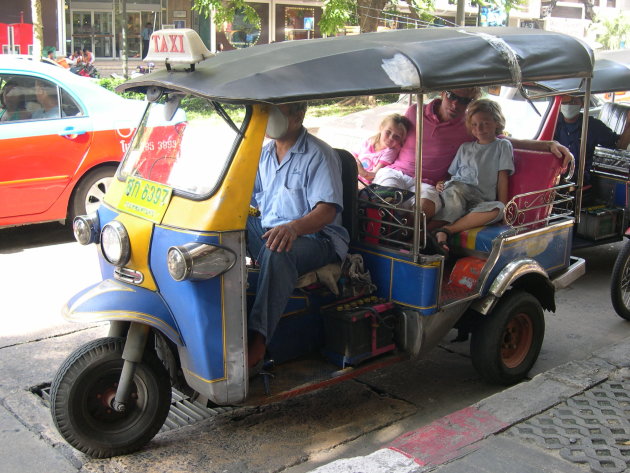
{"type": "Point", "coordinates": [444, 130]}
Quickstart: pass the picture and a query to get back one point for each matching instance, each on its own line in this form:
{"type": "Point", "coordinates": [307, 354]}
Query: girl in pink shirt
{"type": "Point", "coordinates": [382, 149]}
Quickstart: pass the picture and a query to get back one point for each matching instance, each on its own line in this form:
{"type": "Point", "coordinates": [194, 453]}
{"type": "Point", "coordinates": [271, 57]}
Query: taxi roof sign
{"type": "Point", "coordinates": [177, 46]}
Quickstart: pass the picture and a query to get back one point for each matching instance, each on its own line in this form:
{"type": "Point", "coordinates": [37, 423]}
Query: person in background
{"type": "Point", "coordinates": [46, 95]}
{"type": "Point", "coordinates": [298, 191]}
{"type": "Point", "coordinates": [147, 31]}
{"type": "Point", "coordinates": [76, 57]}
{"type": "Point", "coordinates": [13, 102]}
{"type": "Point", "coordinates": [382, 149]}
{"type": "Point", "coordinates": [88, 57]}
{"type": "Point", "coordinates": [569, 132]}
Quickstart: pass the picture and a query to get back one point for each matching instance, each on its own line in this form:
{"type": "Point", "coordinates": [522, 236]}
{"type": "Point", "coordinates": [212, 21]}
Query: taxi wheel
{"type": "Point", "coordinates": [89, 194]}
{"type": "Point", "coordinates": [620, 283]}
{"type": "Point", "coordinates": [84, 388]}
{"type": "Point", "coordinates": [506, 345]}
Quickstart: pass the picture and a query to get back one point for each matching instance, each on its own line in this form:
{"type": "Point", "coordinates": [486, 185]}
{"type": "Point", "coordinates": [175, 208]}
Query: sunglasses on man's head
{"type": "Point", "coordinates": [463, 100]}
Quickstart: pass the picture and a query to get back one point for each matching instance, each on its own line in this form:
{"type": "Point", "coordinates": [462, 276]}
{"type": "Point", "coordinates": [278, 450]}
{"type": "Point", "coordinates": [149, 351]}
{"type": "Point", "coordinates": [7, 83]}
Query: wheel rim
{"type": "Point", "coordinates": [96, 193]}
{"type": "Point", "coordinates": [624, 286]}
{"type": "Point", "coordinates": [99, 393]}
{"type": "Point", "coordinates": [517, 340]}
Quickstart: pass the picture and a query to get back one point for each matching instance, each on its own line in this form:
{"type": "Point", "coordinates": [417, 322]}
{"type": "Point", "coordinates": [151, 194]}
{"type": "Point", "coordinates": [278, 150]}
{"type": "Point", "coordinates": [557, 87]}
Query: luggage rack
{"type": "Point", "coordinates": [383, 220]}
{"type": "Point", "coordinates": [611, 162]}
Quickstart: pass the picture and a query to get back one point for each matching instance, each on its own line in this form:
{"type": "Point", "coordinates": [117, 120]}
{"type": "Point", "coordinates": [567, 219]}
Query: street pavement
{"type": "Point", "coordinates": [572, 418]}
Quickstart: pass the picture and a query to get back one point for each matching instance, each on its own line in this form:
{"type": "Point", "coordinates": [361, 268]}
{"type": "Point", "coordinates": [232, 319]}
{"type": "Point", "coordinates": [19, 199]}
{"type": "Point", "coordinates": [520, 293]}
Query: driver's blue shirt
{"type": "Point", "coordinates": [310, 173]}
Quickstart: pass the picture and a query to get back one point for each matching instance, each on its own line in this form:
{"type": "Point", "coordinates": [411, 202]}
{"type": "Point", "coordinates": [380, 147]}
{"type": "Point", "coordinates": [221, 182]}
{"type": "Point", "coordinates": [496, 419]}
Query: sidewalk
{"type": "Point", "coordinates": [573, 418]}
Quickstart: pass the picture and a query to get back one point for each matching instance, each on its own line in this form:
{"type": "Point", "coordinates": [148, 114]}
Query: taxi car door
{"type": "Point", "coordinates": [41, 152]}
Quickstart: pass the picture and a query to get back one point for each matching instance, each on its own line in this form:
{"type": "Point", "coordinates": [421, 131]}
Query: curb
{"type": "Point", "coordinates": [457, 434]}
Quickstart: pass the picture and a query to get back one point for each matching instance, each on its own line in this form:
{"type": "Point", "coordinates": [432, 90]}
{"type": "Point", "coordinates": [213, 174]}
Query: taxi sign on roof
{"type": "Point", "coordinates": [177, 46]}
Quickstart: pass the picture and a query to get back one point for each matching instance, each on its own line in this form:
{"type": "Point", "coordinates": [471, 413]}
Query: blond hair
{"type": "Point", "coordinates": [490, 107]}
{"type": "Point", "coordinates": [398, 120]}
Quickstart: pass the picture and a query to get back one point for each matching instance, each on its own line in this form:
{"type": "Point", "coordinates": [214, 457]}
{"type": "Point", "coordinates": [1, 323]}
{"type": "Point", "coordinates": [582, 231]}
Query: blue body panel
{"type": "Point", "coordinates": [196, 305]}
{"type": "Point", "coordinates": [550, 247]}
{"type": "Point", "coordinates": [116, 301]}
{"type": "Point", "coordinates": [402, 281]}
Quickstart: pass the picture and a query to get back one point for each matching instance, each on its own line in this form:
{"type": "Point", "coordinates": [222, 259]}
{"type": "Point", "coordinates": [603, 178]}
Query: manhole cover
{"type": "Point", "coordinates": [591, 428]}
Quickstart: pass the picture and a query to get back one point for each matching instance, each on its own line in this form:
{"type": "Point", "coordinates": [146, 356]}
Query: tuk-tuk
{"type": "Point", "coordinates": [177, 280]}
{"type": "Point", "coordinates": [605, 217]}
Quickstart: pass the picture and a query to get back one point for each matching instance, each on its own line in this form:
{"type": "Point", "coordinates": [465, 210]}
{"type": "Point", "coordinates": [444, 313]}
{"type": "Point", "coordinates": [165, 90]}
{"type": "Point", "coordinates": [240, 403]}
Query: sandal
{"type": "Point", "coordinates": [440, 247]}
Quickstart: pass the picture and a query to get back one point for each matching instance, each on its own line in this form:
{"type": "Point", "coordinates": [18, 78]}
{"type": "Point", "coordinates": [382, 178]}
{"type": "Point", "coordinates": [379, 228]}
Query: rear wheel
{"type": "Point", "coordinates": [89, 194]}
{"type": "Point", "coordinates": [82, 394]}
{"type": "Point", "coordinates": [506, 345]}
{"type": "Point", "coordinates": [620, 283]}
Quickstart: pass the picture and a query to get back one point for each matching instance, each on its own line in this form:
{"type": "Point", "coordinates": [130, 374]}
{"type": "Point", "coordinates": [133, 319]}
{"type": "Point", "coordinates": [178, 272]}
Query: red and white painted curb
{"type": "Point", "coordinates": [435, 444]}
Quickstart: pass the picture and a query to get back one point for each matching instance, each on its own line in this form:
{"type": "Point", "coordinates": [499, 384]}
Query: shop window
{"type": "Point", "coordinates": [299, 23]}
{"type": "Point", "coordinates": [241, 33]}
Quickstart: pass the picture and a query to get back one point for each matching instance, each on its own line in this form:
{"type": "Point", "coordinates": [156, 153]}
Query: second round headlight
{"type": "Point", "coordinates": [198, 261]}
{"type": "Point", "coordinates": [115, 243]}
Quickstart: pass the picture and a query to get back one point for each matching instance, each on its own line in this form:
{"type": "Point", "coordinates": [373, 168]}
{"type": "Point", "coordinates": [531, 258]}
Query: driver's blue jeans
{"type": "Point", "coordinates": [279, 273]}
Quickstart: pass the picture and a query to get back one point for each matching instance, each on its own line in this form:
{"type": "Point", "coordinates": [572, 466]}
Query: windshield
{"type": "Point", "coordinates": [190, 152]}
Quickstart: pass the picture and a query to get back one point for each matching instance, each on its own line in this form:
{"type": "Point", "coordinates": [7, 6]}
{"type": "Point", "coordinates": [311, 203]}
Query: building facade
{"type": "Point", "coordinates": [97, 25]}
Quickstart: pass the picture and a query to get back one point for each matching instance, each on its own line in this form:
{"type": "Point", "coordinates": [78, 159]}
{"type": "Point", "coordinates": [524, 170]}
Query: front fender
{"type": "Point", "coordinates": [115, 301]}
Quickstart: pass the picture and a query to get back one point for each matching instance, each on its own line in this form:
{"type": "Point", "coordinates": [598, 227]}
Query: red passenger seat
{"type": "Point", "coordinates": [533, 171]}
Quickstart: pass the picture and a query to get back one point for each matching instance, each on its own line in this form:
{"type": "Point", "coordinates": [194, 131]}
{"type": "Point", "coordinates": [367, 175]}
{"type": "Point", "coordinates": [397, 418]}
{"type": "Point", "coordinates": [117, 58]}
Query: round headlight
{"type": "Point", "coordinates": [176, 262]}
{"type": "Point", "coordinates": [115, 243]}
{"type": "Point", "coordinates": [199, 261]}
{"type": "Point", "coordinates": [85, 228]}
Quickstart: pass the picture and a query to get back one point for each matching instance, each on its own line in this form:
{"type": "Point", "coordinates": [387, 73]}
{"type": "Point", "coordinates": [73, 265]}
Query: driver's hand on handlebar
{"type": "Point", "coordinates": [280, 238]}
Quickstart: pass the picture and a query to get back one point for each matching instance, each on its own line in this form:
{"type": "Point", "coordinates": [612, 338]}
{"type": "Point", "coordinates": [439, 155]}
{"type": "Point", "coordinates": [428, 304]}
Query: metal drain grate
{"type": "Point", "coordinates": [592, 428]}
{"type": "Point", "coordinates": [184, 411]}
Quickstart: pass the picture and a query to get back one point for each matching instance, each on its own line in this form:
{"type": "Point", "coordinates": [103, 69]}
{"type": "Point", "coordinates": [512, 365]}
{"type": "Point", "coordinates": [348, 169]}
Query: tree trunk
{"type": "Point", "coordinates": [589, 11]}
{"type": "Point", "coordinates": [38, 30]}
{"type": "Point", "coordinates": [369, 13]}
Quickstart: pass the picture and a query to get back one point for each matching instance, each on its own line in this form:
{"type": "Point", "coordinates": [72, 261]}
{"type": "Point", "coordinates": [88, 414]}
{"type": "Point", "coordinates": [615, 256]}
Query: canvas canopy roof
{"type": "Point", "coordinates": [416, 61]}
{"type": "Point", "coordinates": [610, 74]}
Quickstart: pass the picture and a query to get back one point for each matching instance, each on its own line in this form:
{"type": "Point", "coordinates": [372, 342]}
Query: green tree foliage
{"type": "Point", "coordinates": [224, 12]}
{"type": "Point", "coordinates": [612, 32]}
{"type": "Point", "coordinates": [367, 13]}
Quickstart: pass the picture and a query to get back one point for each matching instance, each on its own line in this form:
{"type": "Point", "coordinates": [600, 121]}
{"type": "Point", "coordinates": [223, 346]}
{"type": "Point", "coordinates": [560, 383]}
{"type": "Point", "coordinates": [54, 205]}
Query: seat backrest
{"type": "Point", "coordinates": [614, 115]}
{"type": "Point", "coordinates": [349, 176]}
{"type": "Point", "coordinates": [533, 171]}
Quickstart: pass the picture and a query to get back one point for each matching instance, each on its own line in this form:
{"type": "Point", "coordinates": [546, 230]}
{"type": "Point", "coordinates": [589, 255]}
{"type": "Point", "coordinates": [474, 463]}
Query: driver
{"type": "Point", "coordinates": [569, 132]}
{"type": "Point", "coordinates": [298, 191]}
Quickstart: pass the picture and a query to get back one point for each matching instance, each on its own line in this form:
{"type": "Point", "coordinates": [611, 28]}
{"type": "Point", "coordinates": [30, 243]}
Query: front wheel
{"type": "Point", "coordinates": [620, 283]}
{"type": "Point", "coordinates": [84, 388]}
{"type": "Point", "coordinates": [506, 345]}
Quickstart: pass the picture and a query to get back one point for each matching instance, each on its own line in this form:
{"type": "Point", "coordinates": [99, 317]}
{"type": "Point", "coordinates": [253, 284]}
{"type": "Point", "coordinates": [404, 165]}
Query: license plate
{"type": "Point", "coordinates": [145, 199]}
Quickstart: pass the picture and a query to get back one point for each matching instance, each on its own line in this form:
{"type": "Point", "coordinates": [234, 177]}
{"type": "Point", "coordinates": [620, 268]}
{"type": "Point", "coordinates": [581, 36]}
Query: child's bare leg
{"type": "Point", "coordinates": [468, 221]}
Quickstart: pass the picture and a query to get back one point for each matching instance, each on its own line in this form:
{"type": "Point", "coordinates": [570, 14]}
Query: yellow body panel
{"type": "Point", "coordinates": [141, 230]}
